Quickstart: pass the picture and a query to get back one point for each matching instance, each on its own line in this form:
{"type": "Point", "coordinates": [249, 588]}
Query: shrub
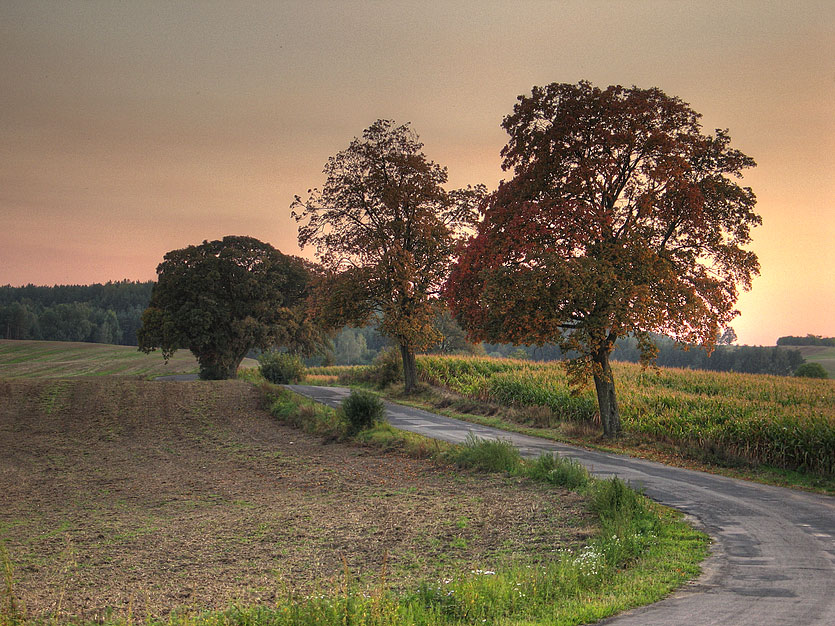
{"type": "Point", "coordinates": [281, 368]}
{"type": "Point", "coordinates": [387, 368]}
{"type": "Point", "coordinates": [811, 370]}
{"type": "Point", "coordinates": [362, 409]}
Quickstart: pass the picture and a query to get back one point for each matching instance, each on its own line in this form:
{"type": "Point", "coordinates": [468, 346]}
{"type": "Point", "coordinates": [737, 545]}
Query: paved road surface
{"type": "Point", "coordinates": [774, 548]}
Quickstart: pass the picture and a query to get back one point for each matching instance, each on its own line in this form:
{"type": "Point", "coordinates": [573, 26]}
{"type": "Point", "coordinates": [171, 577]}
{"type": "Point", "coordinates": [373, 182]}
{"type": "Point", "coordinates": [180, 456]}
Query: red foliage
{"type": "Point", "coordinates": [621, 217]}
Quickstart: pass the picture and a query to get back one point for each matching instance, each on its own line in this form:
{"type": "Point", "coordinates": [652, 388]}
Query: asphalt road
{"type": "Point", "coordinates": [773, 559]}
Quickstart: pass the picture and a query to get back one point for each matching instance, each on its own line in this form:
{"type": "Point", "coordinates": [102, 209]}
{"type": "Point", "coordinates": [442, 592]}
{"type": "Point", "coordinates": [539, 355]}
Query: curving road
{"type": "Point", "coordinates": [773, 558]}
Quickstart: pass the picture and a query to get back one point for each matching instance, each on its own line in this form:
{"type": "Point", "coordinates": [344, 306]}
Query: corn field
{"type": "Point", "coordinates": [779, 421]}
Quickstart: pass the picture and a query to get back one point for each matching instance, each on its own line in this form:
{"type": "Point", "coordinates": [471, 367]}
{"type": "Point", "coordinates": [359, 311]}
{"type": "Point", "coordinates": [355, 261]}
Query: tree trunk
{"type": "Point", "coordinates": [409, 368]}
{"type": "Point", "coordinates": [604, 384]}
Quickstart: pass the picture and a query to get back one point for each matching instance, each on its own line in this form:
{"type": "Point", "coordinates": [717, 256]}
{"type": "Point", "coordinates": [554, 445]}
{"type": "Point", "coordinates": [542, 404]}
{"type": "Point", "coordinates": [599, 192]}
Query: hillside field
{"type": "Point", "coordinates": [65, 359]}
{"type": "Point", "coordinates": [825, 355]}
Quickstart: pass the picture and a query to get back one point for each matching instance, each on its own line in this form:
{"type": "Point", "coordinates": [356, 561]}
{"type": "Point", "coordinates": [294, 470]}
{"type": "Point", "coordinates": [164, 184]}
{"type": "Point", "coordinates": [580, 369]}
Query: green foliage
{"type": "Point", "coordinates": [281, 368]}
{"type": "Point", "coordinates": [222, 298]}
{"type": "Point", "coordinates": [808, 340]}
{"type": "Point", "coordinates": [362, 409]}
{"type": "Point", "coordinates": [99, 313]}
{"type": "Point", "coordinates": [552, 469]}
{"type": "Point", "coordinates": [612, 499]}
{"type": "Point", "coordinates": [811, 370]}
{"type": "Point", "coordinates": [486, 455]}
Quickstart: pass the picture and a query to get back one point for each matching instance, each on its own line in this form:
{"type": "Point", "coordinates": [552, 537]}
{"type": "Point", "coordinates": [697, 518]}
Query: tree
{"type": "Point", "coordinates": [728, 337]}
{"type": "Point", "coordinates": [384, 228]}
{"type": "Point", "coordinates": [811, 370]}
{"type": "Point", "coordinates": [621, 217]}
{"type": "Point", "coordinates": [223, 298]}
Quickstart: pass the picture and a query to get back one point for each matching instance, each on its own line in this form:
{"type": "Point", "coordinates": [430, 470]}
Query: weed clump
{"type": "Point", "coordinates": [362, 409]}
{"type": "Point", "coordinates": [567, 473]}
{"type": "Point", "coordinates": [387, 368]}
{"type": "Point", "coordinates": [487, 455]}
{"type": "Point", "coordinates": [281, 368]}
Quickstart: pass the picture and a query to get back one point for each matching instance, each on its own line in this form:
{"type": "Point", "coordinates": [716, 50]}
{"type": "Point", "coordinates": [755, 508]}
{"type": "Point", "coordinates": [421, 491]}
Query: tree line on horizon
{"type": "Point", "coordinates": [86, 313]}
{"type": "Point", "coordinates": [98, 313]}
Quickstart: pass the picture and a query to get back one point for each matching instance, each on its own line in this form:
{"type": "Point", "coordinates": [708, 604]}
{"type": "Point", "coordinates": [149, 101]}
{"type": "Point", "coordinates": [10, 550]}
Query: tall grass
{"type": "Point", "coordinates": [781, 421]}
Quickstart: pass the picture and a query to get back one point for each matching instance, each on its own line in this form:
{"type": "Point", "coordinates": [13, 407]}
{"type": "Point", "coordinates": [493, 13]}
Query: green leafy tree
{"type": "Point", "coordinates": [621, 218]}
{"type": "Point", "coordinates": [384, 228]}
{"type": "Point", "coordinates": [221, 299]}
{"type": "Point", "coordinates": [811, 370]}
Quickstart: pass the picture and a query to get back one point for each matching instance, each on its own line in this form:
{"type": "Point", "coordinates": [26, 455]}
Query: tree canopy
{"type": "Point", "coordinates": [621, 218]}
{"type": "Point", "coordinates": [384, 228]}
{"type": "Point", "coordinates": [220, 299]}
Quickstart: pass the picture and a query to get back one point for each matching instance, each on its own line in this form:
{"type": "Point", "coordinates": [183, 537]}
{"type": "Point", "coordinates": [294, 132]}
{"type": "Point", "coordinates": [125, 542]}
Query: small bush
{"type": "Point", "coordinates": [281, 368]}
{"type": "Point", "coordinates": [487, 455]}
{"type": "Point", "coordinates": [362, 409]}
{"type": "Point", "coordinates": [387, 368]}
{"type": "Point", "coordinates": [811, 370]}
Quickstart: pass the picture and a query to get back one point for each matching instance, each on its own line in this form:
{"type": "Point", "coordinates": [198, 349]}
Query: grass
{"type": "Point", "coordinates": [62, 359]}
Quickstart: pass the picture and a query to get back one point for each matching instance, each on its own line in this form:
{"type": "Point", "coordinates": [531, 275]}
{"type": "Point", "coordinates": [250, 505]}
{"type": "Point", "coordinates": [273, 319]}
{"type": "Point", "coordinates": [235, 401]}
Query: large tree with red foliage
{"type": "Point", "coordinates": [384, 229]}
{"type": "Point", "coordinates": [621, 218]}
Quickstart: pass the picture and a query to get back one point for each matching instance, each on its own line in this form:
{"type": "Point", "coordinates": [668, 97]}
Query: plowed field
{"type": "Point", "coordinates": [137, 498]}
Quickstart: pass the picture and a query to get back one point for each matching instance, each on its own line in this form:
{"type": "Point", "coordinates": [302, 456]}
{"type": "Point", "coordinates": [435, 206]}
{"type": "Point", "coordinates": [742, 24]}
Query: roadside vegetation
{"type": "Point", "coordinates": [776, 429]}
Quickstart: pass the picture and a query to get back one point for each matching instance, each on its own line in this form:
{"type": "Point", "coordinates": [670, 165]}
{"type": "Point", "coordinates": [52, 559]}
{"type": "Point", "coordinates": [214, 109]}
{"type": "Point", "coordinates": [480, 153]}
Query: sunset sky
{"type": "Point", "coordinates": [133, 128]}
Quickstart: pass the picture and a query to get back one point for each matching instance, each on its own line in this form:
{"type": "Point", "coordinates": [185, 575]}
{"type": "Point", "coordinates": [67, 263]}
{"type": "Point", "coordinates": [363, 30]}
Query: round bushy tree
{"type": "Point", "coordinates": [811, 370]}
{"type": "Point", "coordinates": [223, 298]}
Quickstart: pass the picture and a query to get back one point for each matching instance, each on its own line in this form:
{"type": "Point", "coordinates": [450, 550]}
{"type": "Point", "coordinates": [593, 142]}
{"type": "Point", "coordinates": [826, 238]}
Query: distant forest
{"type": "Point", "coordinates": [808, 340]}
{"type": "Point", "coordinates": [112, 313]}
{"type": "Point", "coordinates": [109, 313]}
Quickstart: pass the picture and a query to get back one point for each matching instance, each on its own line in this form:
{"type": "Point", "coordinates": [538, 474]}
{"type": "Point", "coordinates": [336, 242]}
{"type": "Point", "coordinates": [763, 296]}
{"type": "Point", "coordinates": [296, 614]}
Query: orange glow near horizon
{"type": "Point", "coordinates": [133, 129]}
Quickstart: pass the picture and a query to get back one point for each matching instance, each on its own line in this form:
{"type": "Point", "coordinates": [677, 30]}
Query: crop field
{"type": "Point", "coordinates": [130, 498]}
{"type": "Point", "coordinates": [779, 421]}
{"type": "Point", "coordinates": [64, 359]}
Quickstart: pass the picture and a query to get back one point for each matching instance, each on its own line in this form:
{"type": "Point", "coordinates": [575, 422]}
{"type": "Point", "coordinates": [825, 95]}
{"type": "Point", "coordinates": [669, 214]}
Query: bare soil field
{"type": "Point", "coordinates": [136, 498]}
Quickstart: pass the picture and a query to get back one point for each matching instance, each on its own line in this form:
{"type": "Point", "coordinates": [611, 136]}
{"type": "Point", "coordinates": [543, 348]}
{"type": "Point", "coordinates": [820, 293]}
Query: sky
{"type": "Point", "coordinates": [128, 129]}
